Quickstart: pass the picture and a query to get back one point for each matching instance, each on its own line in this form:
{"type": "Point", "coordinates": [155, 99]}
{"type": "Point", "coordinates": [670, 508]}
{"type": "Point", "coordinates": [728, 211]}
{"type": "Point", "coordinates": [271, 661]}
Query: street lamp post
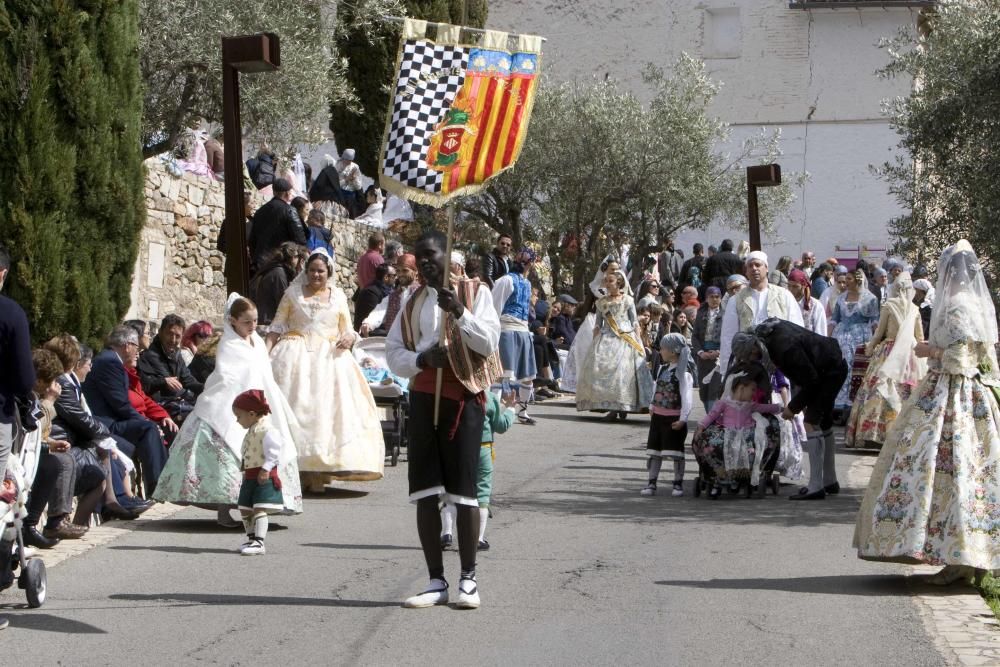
{"type": "Point", "coordinates": [760, 176]}
{"type": "Point", "coordinates": [246, 53]}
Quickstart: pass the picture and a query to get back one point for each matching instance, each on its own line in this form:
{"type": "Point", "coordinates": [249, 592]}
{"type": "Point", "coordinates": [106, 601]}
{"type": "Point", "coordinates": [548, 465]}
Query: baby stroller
{"type": "Point", "coordinates": [390, 399]}
{"type": "Point", "coordinates": [21, 468]}
{"type": "Point", "coordinates": [708, 448]}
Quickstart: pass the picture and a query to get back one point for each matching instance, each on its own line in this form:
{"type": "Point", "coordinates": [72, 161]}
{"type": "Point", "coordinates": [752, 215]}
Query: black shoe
{"type": "Point", "coordinates": [815, 495]}
{"type": "Point", "coordinates": [483, 545]}
{"type": "Point", "coordinates": [832, 489]}
{"type": "Point", "coordinates": [33, 538]}
{"type": "Point", "coordinates": [610, 417]}
{"type": "Point", "coordinates": [116, 511]}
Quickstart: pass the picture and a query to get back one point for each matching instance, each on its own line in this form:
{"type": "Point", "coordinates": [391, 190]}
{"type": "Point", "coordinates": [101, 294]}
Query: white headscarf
{"type": "Point", "coordinates": [242, 364]}
{"type": "Point", "coordinates": [963, 309]}
{"type": "Point", "coordinates": [901, 365]}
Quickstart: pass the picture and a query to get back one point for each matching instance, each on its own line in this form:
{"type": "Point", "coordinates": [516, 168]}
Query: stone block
{"type": "Point", "coordinates": [190, 210]}
{"type": "Point", "coordinates": [188, 224]}
{"type": "Point", "coordinates": [206, 275]}
{"type": "Point", "coordinates": [162, 204]}
{"type": "Point", "coordinates": [204, 212]}
{"type": "Point", "coordinates": [215, 261]}
{"type": "Point", "coordinates": [196, 195]}
{"type": "Point", "coordinates": [155, 265]}
{"type": "Point", "coordinates": [193, 273]}
{"type": "Point", "coordinates": [179, 208]}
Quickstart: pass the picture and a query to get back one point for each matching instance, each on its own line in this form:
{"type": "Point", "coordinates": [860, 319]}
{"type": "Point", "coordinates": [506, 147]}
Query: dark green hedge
{"type": "Point", "coordinates": [71, 174]}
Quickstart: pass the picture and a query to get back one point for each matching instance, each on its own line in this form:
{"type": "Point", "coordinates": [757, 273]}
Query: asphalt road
{"type": "Point", "coordinates": [583, 571]}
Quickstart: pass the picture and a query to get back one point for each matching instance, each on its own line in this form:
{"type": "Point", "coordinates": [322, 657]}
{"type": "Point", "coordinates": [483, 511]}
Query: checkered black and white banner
{"type": "Point", "coordinates": [430, 76]}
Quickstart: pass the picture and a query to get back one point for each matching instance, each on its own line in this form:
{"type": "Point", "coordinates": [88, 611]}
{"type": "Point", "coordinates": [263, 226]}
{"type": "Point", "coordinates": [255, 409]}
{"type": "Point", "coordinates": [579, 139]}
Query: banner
{"type": "Point", "coordinates": [459, 112]}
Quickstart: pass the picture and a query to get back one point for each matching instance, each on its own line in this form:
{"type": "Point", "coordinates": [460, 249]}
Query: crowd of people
{"type": "Point", "coordinates": [246, 416]}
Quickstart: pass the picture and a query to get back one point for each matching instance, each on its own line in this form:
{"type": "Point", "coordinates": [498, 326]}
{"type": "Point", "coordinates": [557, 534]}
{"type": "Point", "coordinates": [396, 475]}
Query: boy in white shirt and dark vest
{"type": "Point", "coordinates": [260, 493]}
{"type": "Point", "coordinates": [444, 457]}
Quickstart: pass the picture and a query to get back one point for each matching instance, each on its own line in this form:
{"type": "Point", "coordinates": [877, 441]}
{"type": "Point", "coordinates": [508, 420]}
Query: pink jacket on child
{"type": "Point", "coordinates": [737, 414]}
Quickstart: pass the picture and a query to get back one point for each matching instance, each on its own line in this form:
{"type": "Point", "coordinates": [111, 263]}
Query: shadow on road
{"type": "Point", "coordinates": [190, 551]}
{"type": "Point", "coordinates": [190, 599]}
{"type": "Point", "coordinates": [194, 526]}
{"type": "Point", "coordinates": [50, 623]}
{"type": "Point", "coordinates": [364, 547]}
{"type": "Point", "coordinates": [873, 585]}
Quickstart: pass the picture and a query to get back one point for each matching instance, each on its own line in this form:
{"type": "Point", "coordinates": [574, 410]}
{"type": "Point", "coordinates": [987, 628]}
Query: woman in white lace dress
{"type": "Point", "coordinates": [614, 375]}
{"type": "Point", "coordinates": [934, 495]}
{"type": "Point", "coordinates": [311, 356]}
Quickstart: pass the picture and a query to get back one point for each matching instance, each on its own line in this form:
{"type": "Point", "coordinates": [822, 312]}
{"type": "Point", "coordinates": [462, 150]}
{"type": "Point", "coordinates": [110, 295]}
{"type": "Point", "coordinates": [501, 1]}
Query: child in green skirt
{"type": "Point", "coordinates": [260, 493]}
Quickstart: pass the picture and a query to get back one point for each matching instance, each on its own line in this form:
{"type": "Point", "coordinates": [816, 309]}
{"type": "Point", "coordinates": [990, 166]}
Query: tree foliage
{"type": "Point", "coordinates": [72, 195]}
{"type": "Point", "coordinates": [371, 59]}
{"type": "Point", "coordinates": [603, 168]}
{"type": "Point", "coordinates": [180, 52]}
{"type": "Point", "coordinates": [949, 128]}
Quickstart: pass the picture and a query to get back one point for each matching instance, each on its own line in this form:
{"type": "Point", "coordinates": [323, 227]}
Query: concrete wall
{"type": "Point", "coordinates": [809, 73]}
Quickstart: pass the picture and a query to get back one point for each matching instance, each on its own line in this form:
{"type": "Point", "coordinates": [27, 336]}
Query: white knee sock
{"type": "Point", "coordinates": [524, 394]}
{"type": "Point", "coordinates": [654, 464]}
{"type": "Point", "coordinates": [678, 470]}
{"type": "Point", "coordinates": [447, 519]}
{"type": "Point", "coordinates": [813, 447]}
{"type": "Point", "coordinates": [248, 524]}
{"type": "Point", "coordinates": [260, 525]}
{"type": "Point", "coordinates": [484, 515]}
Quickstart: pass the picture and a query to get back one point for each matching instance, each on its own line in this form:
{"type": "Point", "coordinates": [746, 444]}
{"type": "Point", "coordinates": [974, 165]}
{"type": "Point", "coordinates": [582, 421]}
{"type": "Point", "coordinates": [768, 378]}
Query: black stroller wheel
{"type": "Point", "coordinates": [775, 483]}
{"type": "Point", "coordinates": [34, 581]}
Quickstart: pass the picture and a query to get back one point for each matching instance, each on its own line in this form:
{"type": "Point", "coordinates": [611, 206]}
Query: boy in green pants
{"type": "Point", "coordinates": [499, 418]}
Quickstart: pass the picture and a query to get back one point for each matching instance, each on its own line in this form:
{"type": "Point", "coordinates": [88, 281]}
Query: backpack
{"type": "Point", "coordinates": [261, 172]}
{"type": "Point", "coordinates": [318, 240]}
{"type": "Point", "coordinates": [694, 276]}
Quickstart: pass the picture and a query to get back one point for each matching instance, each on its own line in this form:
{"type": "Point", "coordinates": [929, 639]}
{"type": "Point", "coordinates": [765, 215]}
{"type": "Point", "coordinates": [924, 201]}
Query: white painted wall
{"type": "Point", "coordinates": [809, 73]}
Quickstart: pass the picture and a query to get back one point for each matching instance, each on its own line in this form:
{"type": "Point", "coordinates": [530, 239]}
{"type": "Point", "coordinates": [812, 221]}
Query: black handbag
{"type": "Point", "coordinates": [29, 412]}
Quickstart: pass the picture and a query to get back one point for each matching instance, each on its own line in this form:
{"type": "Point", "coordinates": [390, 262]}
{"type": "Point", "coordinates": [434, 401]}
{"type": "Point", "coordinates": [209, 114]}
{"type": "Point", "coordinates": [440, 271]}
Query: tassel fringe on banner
{"type": "Point", "coordinates": [459, 112]}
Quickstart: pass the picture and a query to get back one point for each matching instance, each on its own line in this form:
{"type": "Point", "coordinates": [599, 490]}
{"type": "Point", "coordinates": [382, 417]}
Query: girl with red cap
{"type": "Point", "coordinates": [260, 493]}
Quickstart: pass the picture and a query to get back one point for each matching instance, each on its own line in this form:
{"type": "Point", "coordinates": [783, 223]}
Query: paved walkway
{"type": "Point", "coordinates": [583, 571]}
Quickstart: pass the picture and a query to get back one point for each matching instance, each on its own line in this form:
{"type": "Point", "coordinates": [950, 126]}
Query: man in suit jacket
{"type": "Point", "coordinates": [496, 264]}
{"type": "Point", "coordinates": [106, 391]}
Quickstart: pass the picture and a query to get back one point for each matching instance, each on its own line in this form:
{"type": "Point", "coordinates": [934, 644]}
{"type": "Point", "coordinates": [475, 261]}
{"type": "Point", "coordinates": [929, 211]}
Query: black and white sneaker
{"type": "Point", "coordinates": [436, 593]}
{"type": "Point", "coordinates": [468, 594]}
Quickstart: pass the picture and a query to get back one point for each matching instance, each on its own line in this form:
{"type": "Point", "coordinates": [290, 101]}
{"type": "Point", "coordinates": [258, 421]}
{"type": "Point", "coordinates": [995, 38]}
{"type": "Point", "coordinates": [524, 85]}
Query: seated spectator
{"type": "Point", "coordinates": [106, 391]}
{"type": "Point", "coordinates": [369, 297]}
{"type": "Point", "coordinates": [164, 374]}
{"type": "Point", "coordinates": [374, 204]}
{"type": "Point", "coordinates": [380, 320]}
{"type": "Point", "coordinates": [92, 442]}
{"type": "Point", "coordinates": [56, 474]}
{"type": "Point", "coordinates": [194, 335]}
{"type": "Point", "coordinates": [204, 359]}
{"type": "Point", "coordinates": [142, 328]}
{"type": "Point", "coordinates": [269, 283]}
{"type": "Point", "coordinates": [689, 297]}
{"type": "Point", "coordinates": [141, 401]}
{"type": "Point", "coordinates": [563, 328]}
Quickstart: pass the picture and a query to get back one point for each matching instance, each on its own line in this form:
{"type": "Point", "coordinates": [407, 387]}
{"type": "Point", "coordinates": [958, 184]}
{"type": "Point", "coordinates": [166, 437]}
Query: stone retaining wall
{"type": "Point", "coordinates": [180, 271]}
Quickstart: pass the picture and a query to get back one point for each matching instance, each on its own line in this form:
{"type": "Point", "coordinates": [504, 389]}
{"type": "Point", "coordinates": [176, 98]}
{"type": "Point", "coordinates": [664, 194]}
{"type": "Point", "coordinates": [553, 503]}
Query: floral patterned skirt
{"type": "Point", "coordinates": [871, 414]}
{"type": "Point", "coordinates": [201, 469]}
{"type": "Point", "coordinates": [710, 450]}
{"type": "Point", "coordinates": [934, 495]}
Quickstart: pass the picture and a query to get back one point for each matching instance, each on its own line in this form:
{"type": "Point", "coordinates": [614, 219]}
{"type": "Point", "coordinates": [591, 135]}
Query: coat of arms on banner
{"type": "Point", "coordinates": [459, 113]}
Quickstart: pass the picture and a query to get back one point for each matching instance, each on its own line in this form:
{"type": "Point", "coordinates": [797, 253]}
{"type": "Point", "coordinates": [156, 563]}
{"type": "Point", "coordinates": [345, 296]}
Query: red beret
{"type": "Point", "coordinates": [252, 400]}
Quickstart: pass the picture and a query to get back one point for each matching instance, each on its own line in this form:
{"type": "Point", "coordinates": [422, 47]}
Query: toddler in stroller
{"type": "Point", "coordinates": [732, 442]}
{"type": "Point", "coordinates": [389, 391]}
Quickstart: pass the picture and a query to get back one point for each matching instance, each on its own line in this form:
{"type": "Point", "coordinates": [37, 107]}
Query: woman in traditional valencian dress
{"type": "Point", "coordinates": [584, 336]}
{"type": "Point", "coordinates": [205, 457]}
{"type": "Point", "coordinates": [311, 336]}
{"type": "Point", "coordinates": [614, 375]}
{"type": "Point", "coordinates": [894, 369]}
{"type": "Point", "coordinates": [854, 316]}
{"type": "Point", "coordinates": [934, 492]}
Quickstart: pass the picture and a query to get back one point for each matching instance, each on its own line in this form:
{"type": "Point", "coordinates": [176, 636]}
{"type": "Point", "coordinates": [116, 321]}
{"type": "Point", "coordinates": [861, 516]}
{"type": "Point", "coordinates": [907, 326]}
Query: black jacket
{"type": "Point", "coordinates": [494, 268]}
{"type": "Point", "coordinates": [368, 298]}
{"type": "Point", "coordinates": [720, 266]}
{"type": "Point", "coordinates": [267, 287]}
{"type": "Point", "coordinates": [807, 359]}
{"type": "Point", "coordinates": [155, 366]}
{"type": "Point", "coordinates": [562, 327]}
{"type": "Point", "coordinates": [698, 260]}
{"type": "Point", "coordinates": [274, 223]}
{"type": "Point", "coordinates": [106, 389]}
{"type": "Point", "coordinates": [72, 422]}
{"type": "Point", "coordinates": [18, 377]}
{"type": "Point", "coordinates": [326, 187]}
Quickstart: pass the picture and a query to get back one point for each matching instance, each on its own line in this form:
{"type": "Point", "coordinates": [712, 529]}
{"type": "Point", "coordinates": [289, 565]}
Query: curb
{"type": "Point", "coordinates": [958, 620]}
